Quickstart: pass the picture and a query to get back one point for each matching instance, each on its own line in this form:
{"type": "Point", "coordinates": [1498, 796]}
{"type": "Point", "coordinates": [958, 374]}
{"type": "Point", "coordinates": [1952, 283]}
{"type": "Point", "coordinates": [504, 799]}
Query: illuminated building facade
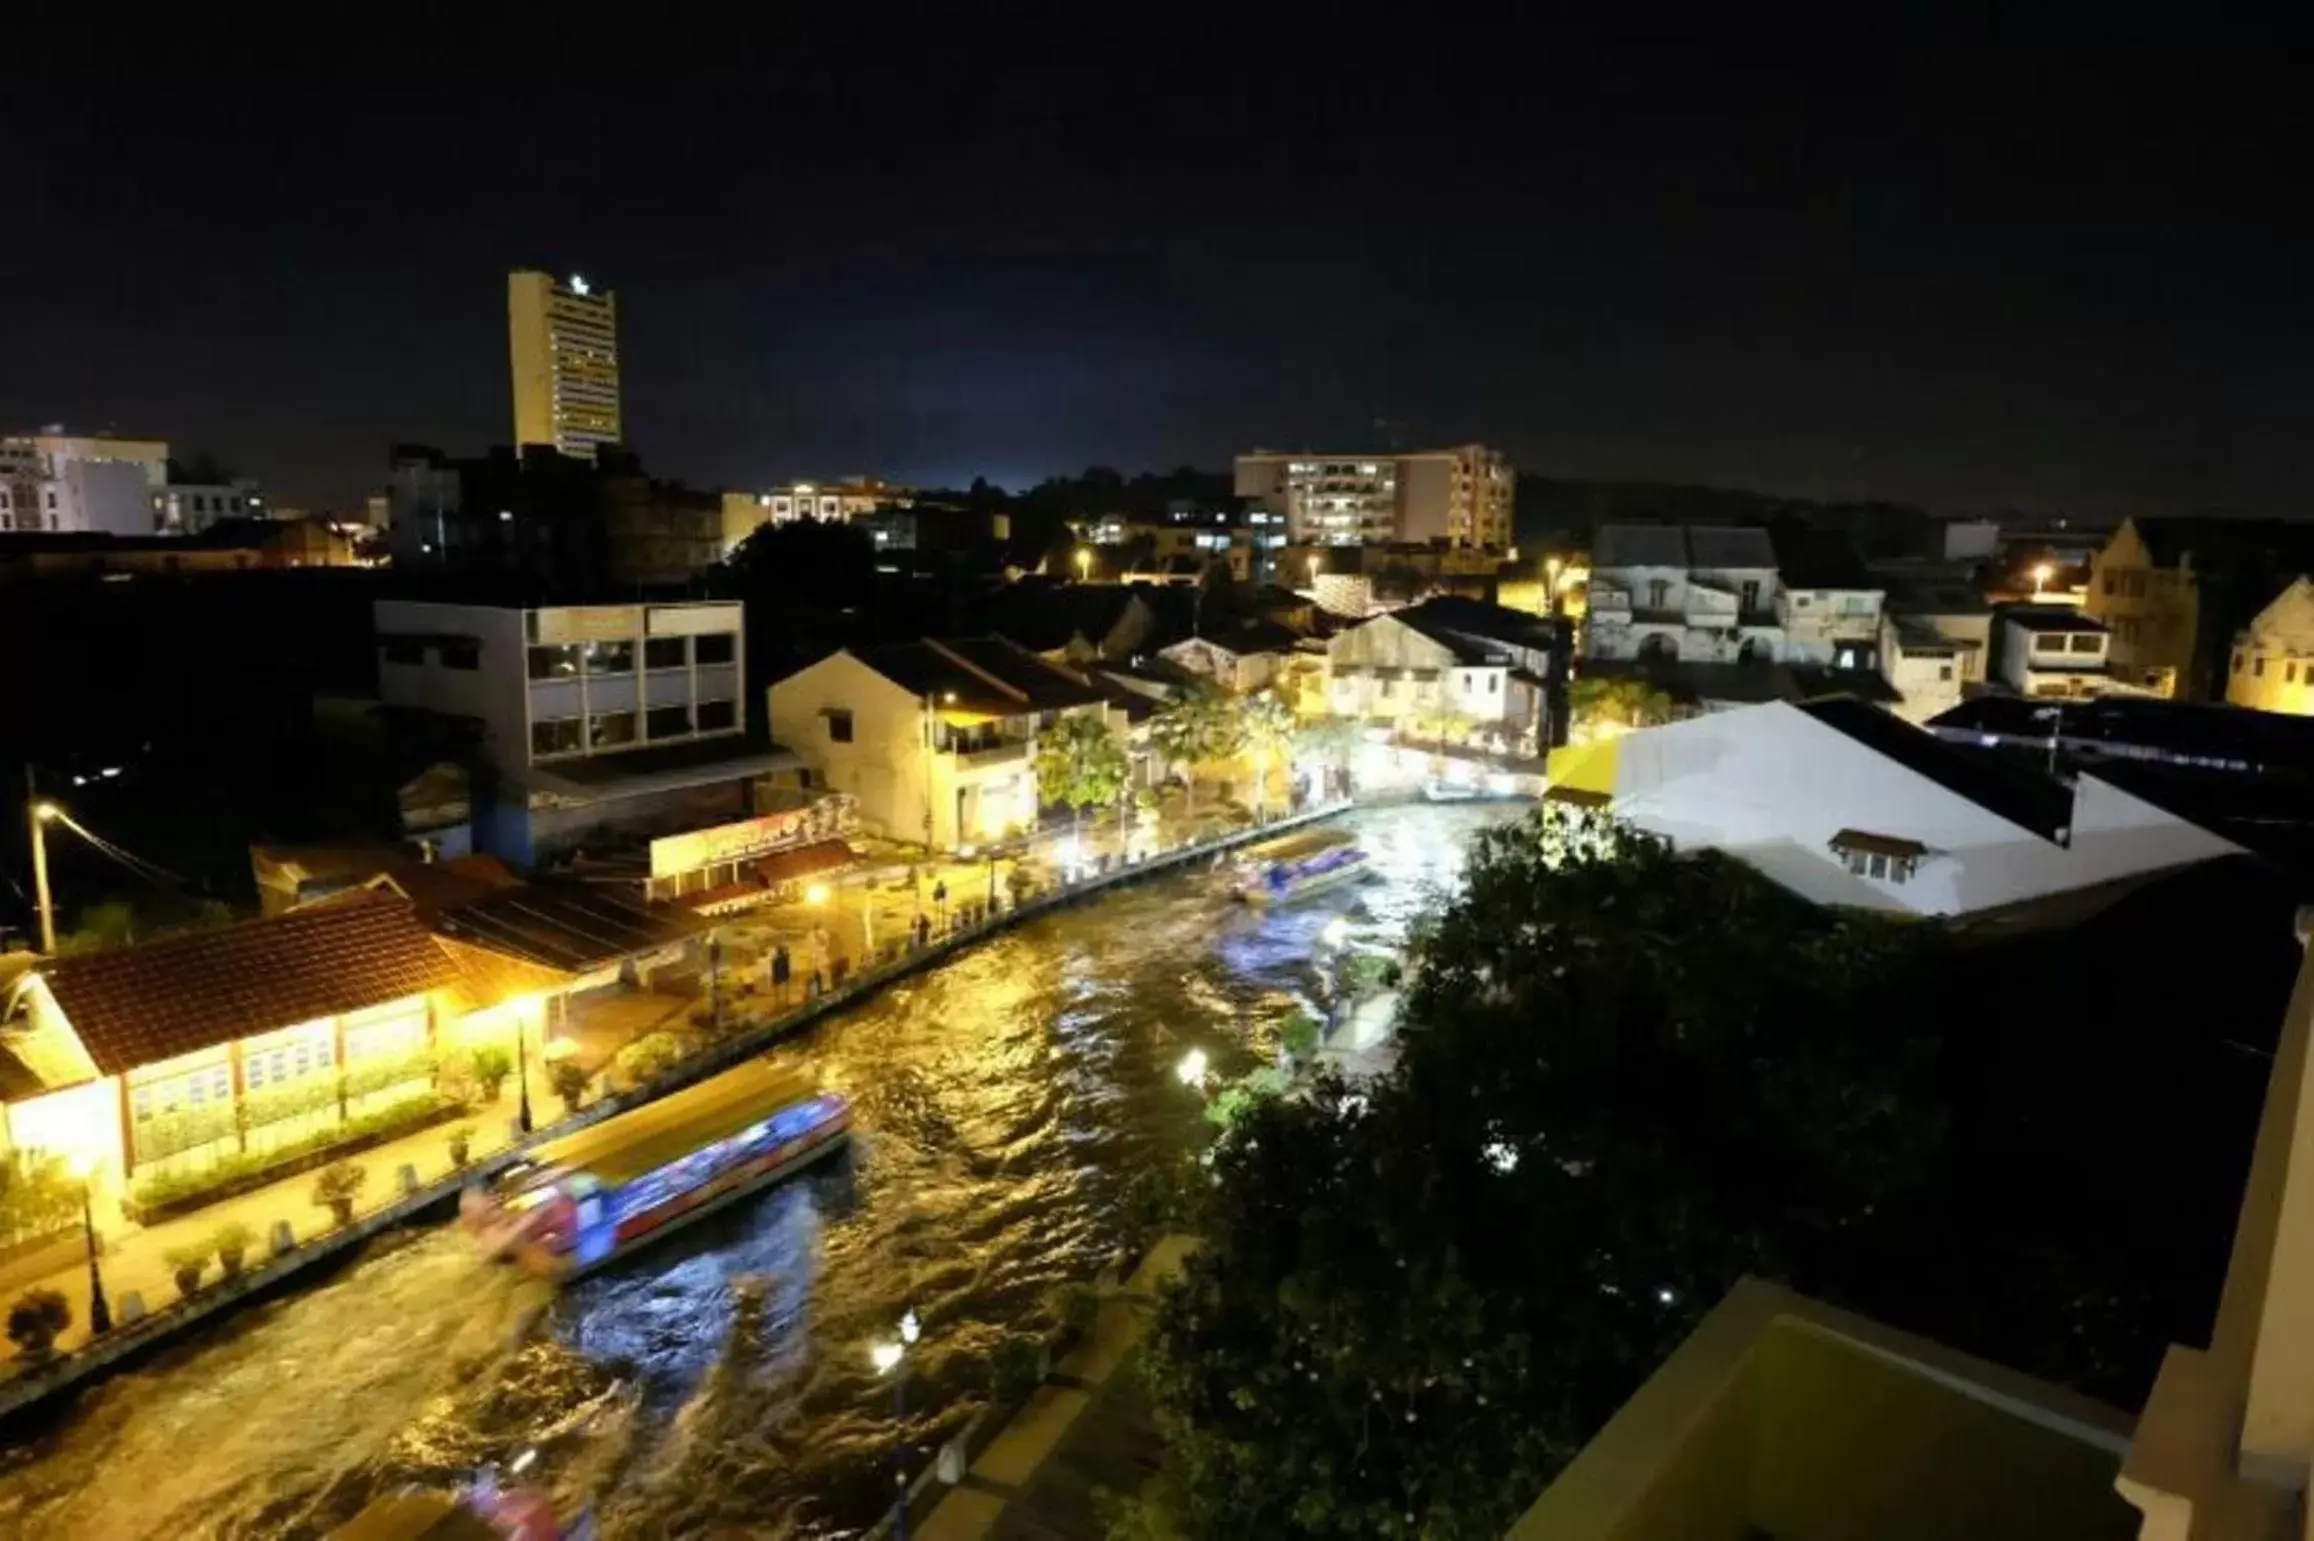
{"type": "Point", "coordinates": [565, 345]}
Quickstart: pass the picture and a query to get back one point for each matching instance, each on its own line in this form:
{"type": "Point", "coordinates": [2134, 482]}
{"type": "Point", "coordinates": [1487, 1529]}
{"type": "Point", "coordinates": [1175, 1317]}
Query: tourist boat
{"type": "Point", "coordinates": [1292, 866]}
{"type": "Point", "coordinates": [1439, 790]}
{"type": "Point", "coordinates": [482, 1511]}
{"type": "Point", "coordinates": [577, 1203]}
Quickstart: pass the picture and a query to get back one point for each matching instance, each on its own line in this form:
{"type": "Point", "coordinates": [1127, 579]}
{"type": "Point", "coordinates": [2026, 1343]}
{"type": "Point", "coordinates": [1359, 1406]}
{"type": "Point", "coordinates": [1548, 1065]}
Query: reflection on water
{"type": "Point", "coordinates": [719, 1383]}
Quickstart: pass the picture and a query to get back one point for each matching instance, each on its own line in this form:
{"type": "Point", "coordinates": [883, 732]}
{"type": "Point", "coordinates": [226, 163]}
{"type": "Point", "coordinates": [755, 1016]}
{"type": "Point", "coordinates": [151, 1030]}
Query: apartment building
{"type": "Point", "coordinates": [1827, 602]}
{"type": "Point", "coordinates": [2272, 667]}
{"type": "Point", "coordinates": [615, 731]}
{"type": "Point", "coordinates": [1685, 593]}
{"type": "Point", "coordinates": [2052, 650]}
{"type": "Point", "coordinates": [1461, 496]}
{"type": "Point", "coordinates": [934, 740]}
{"type": "Point", "coordinates": [56, 483]}
{"type": "Point", "coordinates": [563, 337]}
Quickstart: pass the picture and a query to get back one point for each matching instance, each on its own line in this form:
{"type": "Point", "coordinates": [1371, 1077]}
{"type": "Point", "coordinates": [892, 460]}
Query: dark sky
{"type": "Point", "coordinates": [2062, 280]}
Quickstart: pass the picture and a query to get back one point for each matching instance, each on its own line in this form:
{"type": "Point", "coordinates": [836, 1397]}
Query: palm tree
{"type": "Point", "coordinates": [1269, 737]}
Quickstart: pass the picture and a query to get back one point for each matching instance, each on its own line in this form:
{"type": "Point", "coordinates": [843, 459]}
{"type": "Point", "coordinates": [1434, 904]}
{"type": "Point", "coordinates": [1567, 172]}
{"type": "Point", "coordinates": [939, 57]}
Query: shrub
{"type": "Point", "coordinates": [188, 1263]}
{"type": "Point", "coordinates": [337, 1186]}
{"type": "Point", "coordinates": [461, 1143]}
{"type": "Point", "coordinates": [492, 1065]}
{"type": "Point", "coordinates": [166, 1188]}
{"type": "Point", "coordinates": [1076, 1307]}
{"type": "Point", "coordinates": [1015, 1369]}
{"type": "Point", "coordinates": [232, 1241]}
{"type": "Point", "coordinates": [39, 1197]}
{"type": "Point", "coordinates": [37, 1320]}
{"type": "Point", "coordinates": [647, 1058]}
{"type": "Point", "coordinates": [570, 1084]}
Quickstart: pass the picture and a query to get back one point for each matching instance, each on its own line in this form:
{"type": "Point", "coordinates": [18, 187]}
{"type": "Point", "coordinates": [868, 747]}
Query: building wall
{"type": "Point", "coordinates": [2153, 613]}
{"type": "Point", "coordinates": [491, 694]}
{"type": "Point", "coordinates": [2271, 668]}
{"type": "Point", "coordinates": [1373, 672]}
{"type": "Point", "coordinates": [2053, 663]}
{"type": "Point", "coordinates": [1929, 681]}
{"type": "Point", "coordinates": [1691, 615]}
{"type": "Point", "coordinates": [1820, 625]}
{"type": "Point", "coordinates": [882, 765]}
{"type": "Point", "coordinates": [564, 346]}
{"type": "Point", "coordinates": [1231, 671]}
{"type": "Point", "coordinates": [1461, 495]}
{"type": "Point", "coordinates": [1771, 786]}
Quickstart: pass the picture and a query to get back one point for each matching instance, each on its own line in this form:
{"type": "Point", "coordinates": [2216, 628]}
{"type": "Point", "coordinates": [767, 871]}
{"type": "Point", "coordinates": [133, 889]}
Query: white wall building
{"type": "Point", "coordinates": [935, 740]}
{"type": "Point", "coordinates": [1462, 496]}
{"type": "Point", "coordinates": [187, 509]}
{"type": "Point", "coordinates": [53, 482]}
{"type": "Point", "coordinates": [1444, 657]}
{"type": "Point", "coordinates": [1686, 593]}
{"type": "Point", "coordinates": [1829, 605]}
{"type": "Point", "coordinates": [1923, 666]}
{"type": "Point", "coordinates": [604, 722]}
{"type": "Point", "coordinates": [2051, 650]}
{"type": "Point", "coordinates": [2272, 666]}
{"type": "Point", "coordinates": [1844, 804]}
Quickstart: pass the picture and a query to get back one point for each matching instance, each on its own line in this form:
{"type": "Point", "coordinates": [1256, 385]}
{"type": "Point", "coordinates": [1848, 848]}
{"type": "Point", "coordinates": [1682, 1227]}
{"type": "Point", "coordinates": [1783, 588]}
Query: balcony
{"type": "Point", "coordinates": [988, 754]}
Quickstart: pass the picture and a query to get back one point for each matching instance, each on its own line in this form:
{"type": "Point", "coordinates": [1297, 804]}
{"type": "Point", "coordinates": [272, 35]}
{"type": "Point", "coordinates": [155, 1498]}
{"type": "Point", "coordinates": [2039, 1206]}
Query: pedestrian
{"type": "Point", "coordinates": [781, 969]}
{"type": "Point", "coordinates": [923, 930]}
{"type": "Point", "coordinates": [940, 898]}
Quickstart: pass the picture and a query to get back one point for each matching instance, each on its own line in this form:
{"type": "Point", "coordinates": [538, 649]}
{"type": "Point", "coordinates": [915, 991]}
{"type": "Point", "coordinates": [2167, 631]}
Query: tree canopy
{"type": "Point", "coordinates": [1200, 725]}
{"type": "Point", "coordinates": [1625, 1079]}
{"type": "Point", "coordinates": [1080, 762]}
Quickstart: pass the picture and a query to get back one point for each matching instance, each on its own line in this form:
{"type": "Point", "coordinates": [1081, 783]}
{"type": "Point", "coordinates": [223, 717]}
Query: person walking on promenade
{"type": "Point", "coordinates": [781, 969]}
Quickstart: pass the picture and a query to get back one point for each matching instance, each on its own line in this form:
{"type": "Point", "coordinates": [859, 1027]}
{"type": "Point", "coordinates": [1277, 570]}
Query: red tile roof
{"type": "Point", "coordinates": [136, 1005]}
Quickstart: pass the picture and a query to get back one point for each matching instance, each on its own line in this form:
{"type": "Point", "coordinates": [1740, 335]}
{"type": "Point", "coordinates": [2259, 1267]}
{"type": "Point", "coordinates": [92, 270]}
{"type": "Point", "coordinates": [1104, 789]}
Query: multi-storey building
{"type": "Point", "coordinates": [616, 730]}
{"type": "Point", "coordinates": [2053, 650]}
{"type": "Point", "coordinates": [935, 739]}
{"type": "Point", "coordinates": [1460, 496]}
{"type": "Point", "coordinates": [746, 512]}
{"type": "Point", "coordinates": [1684, 593]}
{"type": "Point", "coordinates": [564, 338]}
{"type": "Point", "coordinates": [52, 482]}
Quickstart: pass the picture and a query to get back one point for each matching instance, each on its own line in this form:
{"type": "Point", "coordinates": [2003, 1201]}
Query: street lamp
{"type": "Point", "coordinates": [99, 1309]}
{"type": "Point", "coordinates": [2042, 573]}
{"type": "Point", "coordinates": [522, 1071]}
{"type": "Point", "coordinates": [891, 1359]}
{"type": "Point", "coordinates": [40, 814]}
{"type": "Point", "coordinates": [1084, 564]}
{"type": "Point", "coordinates": [817, 894]}
{"type": "Point", "coordinates": [1191, 1070]}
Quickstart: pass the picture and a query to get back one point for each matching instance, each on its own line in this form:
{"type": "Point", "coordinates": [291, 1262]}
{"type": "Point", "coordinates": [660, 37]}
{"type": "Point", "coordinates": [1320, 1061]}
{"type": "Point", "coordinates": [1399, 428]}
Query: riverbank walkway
{"type": "Point", "coordinates": [134, 1259]}
{"type": "Point", "coordinates": [1082, 1439]}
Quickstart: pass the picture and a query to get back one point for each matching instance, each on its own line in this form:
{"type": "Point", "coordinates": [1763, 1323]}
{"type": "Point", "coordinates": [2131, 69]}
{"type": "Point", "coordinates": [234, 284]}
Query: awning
{"type": "Point", "coordinates": [1584, 774]}
{"type": "Point", "coordinates": [1876, 845]}
{"type": "Point", "coordinates": [805, 861]}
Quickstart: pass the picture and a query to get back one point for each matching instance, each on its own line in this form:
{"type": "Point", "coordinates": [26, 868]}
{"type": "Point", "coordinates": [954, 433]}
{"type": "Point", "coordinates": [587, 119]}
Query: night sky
{"type": "Point", "coordinates": [2062, 281]}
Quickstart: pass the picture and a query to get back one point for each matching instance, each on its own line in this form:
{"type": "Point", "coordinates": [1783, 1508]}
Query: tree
{"type": "Point", "coordinates": [1334, 740]}
{"type": "Point", "coordinates": [1624, 703]}
{"type": "Point", "coordinates": [1200, 726]}
{"type": "Point", "coordinates": [1268, 725]}
{"type": "Point", "coordinates": [1080, 762]}
{"type": "Point", "coordinates": [37, 1320]}
{"type": "Point", "coordinates": [1625, 1079]}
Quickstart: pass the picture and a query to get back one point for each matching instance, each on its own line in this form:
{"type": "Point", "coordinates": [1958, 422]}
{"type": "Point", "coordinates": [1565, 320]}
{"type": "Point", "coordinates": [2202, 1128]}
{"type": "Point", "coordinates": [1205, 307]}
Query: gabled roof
{"type": "Point", "coordinates": [136, 1005]}
{"type": "Point", "coordinates": [2051, 618]}
{"type": "Point", "coordinates": [983, 674]}
{"type": "Point", "coordinates": [2026, 799]}
{"type": "Point", "coordinates": [1043, 617]}
{"type": "Point", "coordinates": [1477, 618]}
{"type": "Point", "coordinates": [1247, 638]}
{"type": "Point", "coordinates": [573, 926]}
{"type": "Point", "coordinates": [1728, 545]}
{"type": "Point", "coordinates": [1639, 545]}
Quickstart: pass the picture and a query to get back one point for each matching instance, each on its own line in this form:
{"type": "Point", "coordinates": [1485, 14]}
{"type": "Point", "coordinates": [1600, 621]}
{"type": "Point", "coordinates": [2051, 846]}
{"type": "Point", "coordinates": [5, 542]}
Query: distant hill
{"type": "Point", "coordinates": [1560, 508]}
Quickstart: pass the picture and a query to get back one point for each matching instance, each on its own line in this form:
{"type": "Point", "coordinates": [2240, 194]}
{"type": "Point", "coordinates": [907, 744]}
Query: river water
{"type": "Point", "coordinates": [1004, 1104]}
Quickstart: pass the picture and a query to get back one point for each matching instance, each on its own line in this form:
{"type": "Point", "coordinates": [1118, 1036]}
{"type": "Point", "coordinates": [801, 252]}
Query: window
{"type": "Point", "coordinates": [461, 653]}
{"type": "Point", "coordinates": [554, 662]}
{"type": "Point", "coordinates": [1800, 601]}
{"type": "Point", "coordinates": [718, 716]}
{"type": "Point", "coordinates": [1944, 671]}
{"type": "Point", "coordinates": [2237, 661]}
{"type": "Point", "coordinates": [2108, 583]}
{"type": "Point", "coordinates": [1494, 684]}
{"type": "Point", "coordinates": [1658, 592]}
{"type": "Point", "coordinates": [1751, 594]}
{"type": "Point", "coordinates": [667, 722]}
{"type": "Point", "coordinates": [666, 653]}
{"type": "Point", "coordinates": [2289, 674]}
{"type": "Point", "coordinates": [610, 658]}
{"type": "Point", "coordinates": [612, 730]}
{"type": "Point", "coordinates": [560, 736]}
{"type": "Point", "coordinates": [2048, 642]}
{"type": "Point", "coordinates": [402, 650]}
{"type": "Point", "coordinates": [2088, 642]}
{"type": "Point", "coordinates": [713, 647]}
{"type": "Point", "coordinates": [1878, 865]}
{"type": "Point", "coordinates": [2258, 667]}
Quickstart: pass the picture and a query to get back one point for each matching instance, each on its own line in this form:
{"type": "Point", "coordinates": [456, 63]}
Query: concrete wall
{"type": "Point", "coordinates": [883, 765]}
{"type": "Point", "coordinates": [492, 694]}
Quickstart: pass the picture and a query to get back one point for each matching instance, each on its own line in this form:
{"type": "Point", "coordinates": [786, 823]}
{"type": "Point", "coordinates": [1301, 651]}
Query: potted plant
{"type": "Point", "coordinates": [492, 1065]}
{"type": "Point", "coordinates": [461, 1144]}
{"type": "Point", "coordinates": [570, 1084]}
{"type": "Point", "coordinates": [37, 1320]}
{"type": "Point", "coordinates": [232, 1241]}
{"type": "Point", "coordinates": [335, 1188]}
{"type": "Point", "coordinates": [187, 1264]}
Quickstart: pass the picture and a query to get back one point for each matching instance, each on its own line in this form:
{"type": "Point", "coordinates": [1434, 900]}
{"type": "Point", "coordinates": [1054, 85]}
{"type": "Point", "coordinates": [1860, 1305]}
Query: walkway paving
{"type": "Point", "coordinates": [1084, 1434]}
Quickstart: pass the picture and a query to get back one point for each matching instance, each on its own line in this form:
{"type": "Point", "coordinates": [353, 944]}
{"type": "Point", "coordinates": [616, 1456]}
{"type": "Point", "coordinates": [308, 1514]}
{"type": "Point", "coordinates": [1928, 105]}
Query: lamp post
{"type": "Point", "coordinates": [2042, 573]}
{"type": "Point", "coordinates": [892, 1359]}
{"type": "Point", "coordinates": [522, 1072]}
{"type": "Point", "coordinates": [38, 814]}
{"type": "Point", "coordinates": [1084, 564]}
{"type": "Point", "coordinates": [99, 1309]}
{"type": "Point", "coordinates": [1551, 569]}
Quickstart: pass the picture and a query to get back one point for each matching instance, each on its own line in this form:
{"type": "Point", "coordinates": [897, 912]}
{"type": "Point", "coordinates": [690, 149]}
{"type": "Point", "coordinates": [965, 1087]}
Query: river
{"type": "Point", "coordinates": [1004, 1104]}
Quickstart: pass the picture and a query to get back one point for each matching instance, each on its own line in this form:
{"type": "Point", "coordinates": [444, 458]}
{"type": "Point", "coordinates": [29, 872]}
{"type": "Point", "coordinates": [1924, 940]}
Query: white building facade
{"type": "Point", "coordinates": [77, 484]}
{"type": "Point", "coordinates": [1684, 593]}
{"type": "Point", "coordinates": [2052, 650]}
{"type": "Point", "coordinates": [1461, 496]}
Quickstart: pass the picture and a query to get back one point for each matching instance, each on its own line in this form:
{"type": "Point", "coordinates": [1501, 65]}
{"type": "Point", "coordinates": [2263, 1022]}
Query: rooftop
{"type": "Point", "coordinates": [2269, 543]}
{"type": "Point", "coordinates": [563, 924]}
{"type": "Point", "coordinates": [1714, 546]}
{"type": "Point", "coordinates": [2224, 736]}
{"type": "Point", "coordinates": [663, 768]}
{"type": "Point", "coordinates": [2051, 618]}
{"type": "Point", "coordinates": [2033, 802]}
{"type": "Point", "coordinates": [1744, 684]}
{"type": "Point", "coordinates": [135, 1005]}
{"type": "Point", "coordinates": [982, 674]}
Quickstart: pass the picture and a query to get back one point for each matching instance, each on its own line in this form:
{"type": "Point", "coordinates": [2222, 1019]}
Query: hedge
{"type": "Point", "coordinates": [239, 1171]}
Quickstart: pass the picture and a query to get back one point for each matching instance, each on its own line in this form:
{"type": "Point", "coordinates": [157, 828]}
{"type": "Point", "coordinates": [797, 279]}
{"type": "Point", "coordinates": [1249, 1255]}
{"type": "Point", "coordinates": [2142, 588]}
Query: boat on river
{"type": "Point", "coordinates": [587, 1199]}
{"type": "Point", "coordinates": [1297, 865]}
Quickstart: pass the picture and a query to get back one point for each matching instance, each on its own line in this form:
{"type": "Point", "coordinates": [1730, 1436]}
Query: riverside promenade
{"type": "Point", "coordinates": [413, 1179]}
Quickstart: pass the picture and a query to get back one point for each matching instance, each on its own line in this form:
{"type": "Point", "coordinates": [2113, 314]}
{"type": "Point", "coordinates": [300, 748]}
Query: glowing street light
{"type": "Point", "coordinates": [910, 1328]}
{"type": "Point", "coordinates": [816, 894]}
{"type": "Point", "coordinates": [2042, 573]}
{"type": "Point", "coordinates": [1084, 564]}
{"type": "Point", "coordinates": [886, 1357]}
{"type": "Point", "coordinates": [1336, 932]}
{"type": "Point", "coordinates": [891, 1359]}
{"type": "Point", "coordinates": [1192, 1068]}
